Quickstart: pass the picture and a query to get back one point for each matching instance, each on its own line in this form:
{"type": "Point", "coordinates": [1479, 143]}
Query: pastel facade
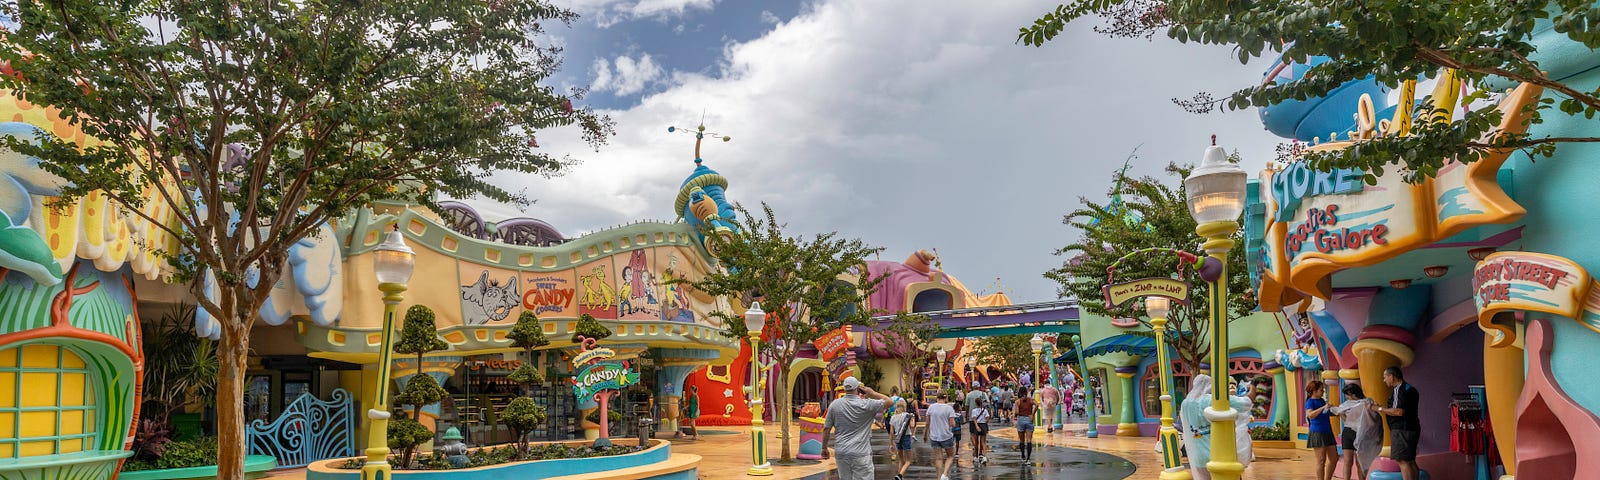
{"type": "Point", "coordinates": [1390, 275]}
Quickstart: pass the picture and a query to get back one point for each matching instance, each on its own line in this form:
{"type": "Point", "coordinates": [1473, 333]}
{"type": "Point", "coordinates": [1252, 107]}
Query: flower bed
{"type": "Point", "coordinates": [553, 460]}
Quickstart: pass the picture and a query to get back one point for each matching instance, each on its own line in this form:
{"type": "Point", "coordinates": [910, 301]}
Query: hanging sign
{"type": "Point", "coordinates": [840, 367]}
{"type": "Point", "coordinates": [1120, 293]}
{"type": "Point", "coordinates": [1535, 282]}
{"type": "Point", "coordinates": [585, 357]}
{"type": "Point", "coordinates": [599, 377]}
{"type": "Point", "coordinates": [833, 343]}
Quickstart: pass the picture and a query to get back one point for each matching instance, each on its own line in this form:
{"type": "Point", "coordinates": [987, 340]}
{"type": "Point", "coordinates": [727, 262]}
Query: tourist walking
{"type": "Point", "coordinates": [1404, 426]}
{"type": "Point", "coordinates": [900, 429]}
{"type": "Point", "coordinates": [1320, 435]}
{"type": "Point", "coordinates": [1362, 438]}
{"type": "Point", "coordinates": [852, 416]}
{"type": "Point", "coordinates": [1049, 397]}
{"type": "Point", "coordinates": [941, 423]}
{"type": "Point", "coordinates": [691, 412]}
{"type": "Point", "coordinates": [1005, 401]}
{"type": "Point", "coordinates": [980, 433]}
{"type": "Point", "coordinates": [1024, 411]}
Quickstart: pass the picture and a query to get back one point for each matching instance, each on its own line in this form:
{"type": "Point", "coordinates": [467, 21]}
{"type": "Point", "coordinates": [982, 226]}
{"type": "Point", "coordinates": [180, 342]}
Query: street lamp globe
{"type": "Point", "coordinates": [1216, 188]}
{"type": "Point", "coordinates": [754, 318]}
{"type": "Point", "coordinates": [1157, 307]}
{"type": "Point", "coordinates": [392, 260]}
{"type": "Point", "coordinates": [1037, 343]}
{"type": "Point", "coordinates": [940, 354]}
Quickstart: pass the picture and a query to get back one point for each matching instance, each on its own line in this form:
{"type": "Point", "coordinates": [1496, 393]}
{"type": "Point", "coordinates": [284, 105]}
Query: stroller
{"type": "Point", "coordinates": [1077, 405]}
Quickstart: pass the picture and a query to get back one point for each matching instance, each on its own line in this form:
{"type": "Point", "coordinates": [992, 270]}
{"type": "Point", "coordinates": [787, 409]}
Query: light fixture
{"type": "Point", "coordinates": [754, 318]}
{"type": "Point", "coordinates": [1436, 271]}
{"type": "Point", "coordinates": [1157, 306]}
{"type": "Point", "coordinates": [940, 354]}
{"type": "Point", "coordinates": [392, 260]}
{"type": "Point", "coordinates": [1480, 253]}
{"type": "Point", "coordinates": [1216, 188]}
{"type": "Point", "coordinates": [1400, 284]}
{"type": "Point", "coordinates": [1037, 343]}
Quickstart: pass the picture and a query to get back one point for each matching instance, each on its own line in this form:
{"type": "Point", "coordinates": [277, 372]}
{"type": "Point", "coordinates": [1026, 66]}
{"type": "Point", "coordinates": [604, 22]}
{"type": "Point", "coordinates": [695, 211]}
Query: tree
{"type": "Point", "coordinates": [1153, 215]}
{"type": "Point", "coordinates": [1485, 42]}
{"type": "Point", "coordinates": [282, 116]}
{"type": "Point", "coordinates": [798, 282]}
{"type": "Point", "coordinates": [527, 334]}
{"type": "Point", "coordinates": [523, 415]}
{"type": "Point", "coordinates": [419, 336]}
{"type": "Point", "coordinates": [909, 337]}
{"type": "Point", "coordinates": [589, 328]}
{"type": "Point", "coordinates": [1009, 353]}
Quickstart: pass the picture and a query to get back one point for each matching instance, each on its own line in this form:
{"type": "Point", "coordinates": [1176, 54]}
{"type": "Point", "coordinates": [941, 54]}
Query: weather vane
{"type": "Point", "coordinates": [700, 135]}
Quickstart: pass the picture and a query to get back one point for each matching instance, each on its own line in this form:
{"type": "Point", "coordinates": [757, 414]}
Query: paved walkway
{"type": "Point", "coordinates": [1063, 454]}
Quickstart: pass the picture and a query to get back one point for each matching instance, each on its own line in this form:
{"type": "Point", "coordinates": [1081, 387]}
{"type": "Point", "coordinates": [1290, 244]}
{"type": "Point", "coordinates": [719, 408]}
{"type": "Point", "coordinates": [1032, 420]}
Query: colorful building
{"type": "Point", "coordinates": [1474, 282]}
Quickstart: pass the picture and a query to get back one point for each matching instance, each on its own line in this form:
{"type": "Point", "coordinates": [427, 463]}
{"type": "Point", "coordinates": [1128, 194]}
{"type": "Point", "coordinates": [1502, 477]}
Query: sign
{"type": "Point", "coordinates": [597, 354]}
{"type": "Point", "coordinates": [600, 377]}
{"type": "Point", "coordinates": [1317, 224]}
{"type": "Point", "coordinates": [839, 368]}
{"type": "Point", "coordinates": [1120, 293]}
{"type": "Point", "coordinates": [495, 364]}
{"type": "Point", "coordinates": [1535, 282]}
{"type": "Point", "coordinates": [833, 343]}
{"type": "Point", "coordinates": [1328, 240]}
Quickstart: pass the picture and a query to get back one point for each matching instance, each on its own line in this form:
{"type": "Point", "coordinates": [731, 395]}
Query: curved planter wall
{"type": "Point", "coordinates": [532, 470]}
{"type": "Point", "coordinates": [255, 466]}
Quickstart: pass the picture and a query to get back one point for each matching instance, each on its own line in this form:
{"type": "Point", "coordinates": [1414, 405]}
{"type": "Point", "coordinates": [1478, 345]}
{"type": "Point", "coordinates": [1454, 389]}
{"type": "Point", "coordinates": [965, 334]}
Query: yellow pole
{"type": "Point", "coordinates": [1170, 450]}
{"type": "Point", "coordinates": [758, 432]}
{"type": "Point", "coordinates": [1224, 464]}
{"type": "Point", "coordinates": [377, 466]}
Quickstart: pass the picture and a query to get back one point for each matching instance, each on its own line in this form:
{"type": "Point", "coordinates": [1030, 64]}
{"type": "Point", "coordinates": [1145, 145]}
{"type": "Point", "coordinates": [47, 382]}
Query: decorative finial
{"type": "Point", "coordinates": [1213, 139]}
{"type": "Point", "coordinates": [700, 135]}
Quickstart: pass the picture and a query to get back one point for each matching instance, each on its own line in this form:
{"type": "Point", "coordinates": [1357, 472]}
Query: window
{"type": "Point", "coordinates": [1150, 388]}
{"type": "Point", "coordinates": [46, 402]}
{"type": "Point", "coordinates": [1250, 370]}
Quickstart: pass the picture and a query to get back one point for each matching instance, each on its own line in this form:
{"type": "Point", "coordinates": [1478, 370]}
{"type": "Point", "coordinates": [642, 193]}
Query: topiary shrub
{"type": "Point", "coordinates": [406, 434]}
{"type": "Point", "coordinates": [527, 335]}
{"type": "Point", "coordinates": [421, 390]}
{"type": "Point", "coordinates": [588, 327]}
{"type": "Point", "coordinates": [523, 416]}
{"type": "Point", "coordinates": [419, 336]}
{"type": "Point", "coordinates": [526, 375]}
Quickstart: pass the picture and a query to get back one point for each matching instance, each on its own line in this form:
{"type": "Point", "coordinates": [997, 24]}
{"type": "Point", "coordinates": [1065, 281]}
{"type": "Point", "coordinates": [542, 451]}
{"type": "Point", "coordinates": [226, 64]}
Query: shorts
{"type": "Point", "coordinates": [1319, 440]}
{"type": "Point", "coordinates": [1024, 424]}
{"type": "Point", "coordinates": [1403, 445]}
{"type": "Point", "coordinates": [1347, 439]}
{"type": "Point", "coordinates": [854, 467]}
{"type": "Point", "coordinates": [904, 443]}
{"type": "Point", "coordinates": [980, 429]}
{"type": "Point", "coordinates": [947, 444]}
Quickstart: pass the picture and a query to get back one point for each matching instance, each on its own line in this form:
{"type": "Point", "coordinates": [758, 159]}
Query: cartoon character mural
{"type": "Point", "coordinates": [597, 296]}
{"type": "Point", "coordinates": [636, 287]}
{"type": "Point", "coordinates": [675, 305]}
{"type": "Point", "coordinates": [487, 300]}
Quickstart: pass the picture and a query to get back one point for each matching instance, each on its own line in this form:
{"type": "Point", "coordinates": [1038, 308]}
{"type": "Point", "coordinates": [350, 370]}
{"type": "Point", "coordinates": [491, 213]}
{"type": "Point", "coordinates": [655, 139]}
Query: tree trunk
{"type": "Point", "coordinates": [232, 360]}
{"type": "Point", "coordinates": [780, 413]}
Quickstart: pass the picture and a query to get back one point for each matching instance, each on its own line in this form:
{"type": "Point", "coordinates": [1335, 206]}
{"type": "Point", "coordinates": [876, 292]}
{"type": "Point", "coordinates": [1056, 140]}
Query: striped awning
{"type": "Point", "coordinates": [1129, 344]}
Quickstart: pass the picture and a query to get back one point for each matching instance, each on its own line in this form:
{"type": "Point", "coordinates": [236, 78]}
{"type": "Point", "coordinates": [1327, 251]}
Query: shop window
{"type": "Point", "coordinates": [1150, 388]}
{"type": "Point", "coordinates": [1097, 384]}
{"type": "Point", "coordinates": [46, 402]}
{"type": "Point", "coordinates": [1243, 370]}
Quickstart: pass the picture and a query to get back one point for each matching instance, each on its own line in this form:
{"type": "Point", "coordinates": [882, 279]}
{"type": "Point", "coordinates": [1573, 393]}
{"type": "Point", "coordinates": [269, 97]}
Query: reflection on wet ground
{"type": "Point", "coordinates": [1005, 462]}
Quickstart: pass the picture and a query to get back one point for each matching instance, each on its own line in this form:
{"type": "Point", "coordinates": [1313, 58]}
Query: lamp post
{"type": "Point", "coordinates": [1157, 308]}
{"type": "Point", "coordinates": [939, 355]}
{"type": "Point", "coordinates": [1088, 390]}
{"type": "Point", "coordinates": [1216, 198]}
{"type": "Point", "coordinates": [1038, 345]}
{"type": "Point", "coordinates": [392, 263]}
{"type": "Point", "coordinates": [754, 320]}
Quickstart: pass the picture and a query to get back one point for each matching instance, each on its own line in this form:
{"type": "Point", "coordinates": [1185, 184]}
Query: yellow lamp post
{"type": "Point", "coordinates": [1216, 192]}
{"type": "Point", "coordinates": [754, 320]}
{"type": "Point", "coordinates": [940, 356]}
{"type": "Point", "coordinates": [1157, 308]}
{"type": "Point", "coordinates": [1038, 346]}
{"type": "Point", "coordinates": [392, 262]}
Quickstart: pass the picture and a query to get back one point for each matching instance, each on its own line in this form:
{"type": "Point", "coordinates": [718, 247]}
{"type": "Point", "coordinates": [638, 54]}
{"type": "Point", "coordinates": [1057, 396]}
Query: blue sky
{"type": "Point", "coordinates": [911, 124]}
{"type": "Point", "coordinates": [634, 53]}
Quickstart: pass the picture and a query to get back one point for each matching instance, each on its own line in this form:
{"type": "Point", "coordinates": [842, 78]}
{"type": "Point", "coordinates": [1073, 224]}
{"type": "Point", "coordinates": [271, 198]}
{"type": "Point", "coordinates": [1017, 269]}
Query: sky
{"type": "Point", "coordinates": [908, 124]}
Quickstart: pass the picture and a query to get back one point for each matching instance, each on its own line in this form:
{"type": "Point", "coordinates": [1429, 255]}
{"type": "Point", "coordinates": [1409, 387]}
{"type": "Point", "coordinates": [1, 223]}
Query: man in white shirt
{"type": "Point", "coordinates": [941, 422]}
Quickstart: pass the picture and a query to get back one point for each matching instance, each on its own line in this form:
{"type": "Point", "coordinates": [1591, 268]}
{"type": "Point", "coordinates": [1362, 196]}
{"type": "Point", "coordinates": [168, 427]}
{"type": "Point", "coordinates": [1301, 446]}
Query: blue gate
{"type": "Point", "coordinates": [309, 430]}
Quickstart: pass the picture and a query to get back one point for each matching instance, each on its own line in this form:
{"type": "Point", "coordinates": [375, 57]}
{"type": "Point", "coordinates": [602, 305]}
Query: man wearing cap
{"type": "Point", "coordinates": [852, 416]}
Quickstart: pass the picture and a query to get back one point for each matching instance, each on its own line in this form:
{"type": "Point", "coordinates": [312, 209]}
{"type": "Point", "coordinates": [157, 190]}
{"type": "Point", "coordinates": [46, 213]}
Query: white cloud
{"type": "Point", "coordinates": [606, 13]}
{"type": "Point", "coordinates": [911, 125]}
{"type": "Point", "coordinates": [769, 18]}
{"type": "Point", "coordinates": [625, 76]}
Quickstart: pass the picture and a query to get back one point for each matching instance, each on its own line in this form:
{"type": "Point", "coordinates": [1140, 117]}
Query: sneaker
{"type": "Point", "coordinates": [897, 477]}
{"type": "Point", "coordinates": [944, 477]}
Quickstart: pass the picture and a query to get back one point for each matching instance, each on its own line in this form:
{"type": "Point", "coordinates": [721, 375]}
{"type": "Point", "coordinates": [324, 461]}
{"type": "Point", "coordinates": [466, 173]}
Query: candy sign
{"type": "Point", "coordinates": [833, 343]}
{"type": "Point", "coordinates": [601, 377]}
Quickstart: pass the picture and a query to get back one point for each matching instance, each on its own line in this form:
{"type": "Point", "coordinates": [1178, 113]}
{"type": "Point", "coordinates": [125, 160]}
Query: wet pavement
{"type": "Point", "coordinates": [1005, 462]}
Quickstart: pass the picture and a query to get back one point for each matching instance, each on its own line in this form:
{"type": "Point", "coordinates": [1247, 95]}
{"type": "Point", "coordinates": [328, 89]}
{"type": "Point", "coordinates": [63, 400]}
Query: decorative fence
{"type": "Point", "coordinates": [309, 430]}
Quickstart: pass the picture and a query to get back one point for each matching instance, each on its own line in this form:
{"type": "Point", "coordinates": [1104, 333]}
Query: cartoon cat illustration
{"type": "Point", "coordinates": [488, 301]}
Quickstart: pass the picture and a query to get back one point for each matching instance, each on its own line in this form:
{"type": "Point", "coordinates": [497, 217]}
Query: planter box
{"type": "Point", "coordinates": [1274, 444]}
{"type": "Point", "coordinates": [594, 467]}
{"type": "Point", "coordinates": [255, 466]}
